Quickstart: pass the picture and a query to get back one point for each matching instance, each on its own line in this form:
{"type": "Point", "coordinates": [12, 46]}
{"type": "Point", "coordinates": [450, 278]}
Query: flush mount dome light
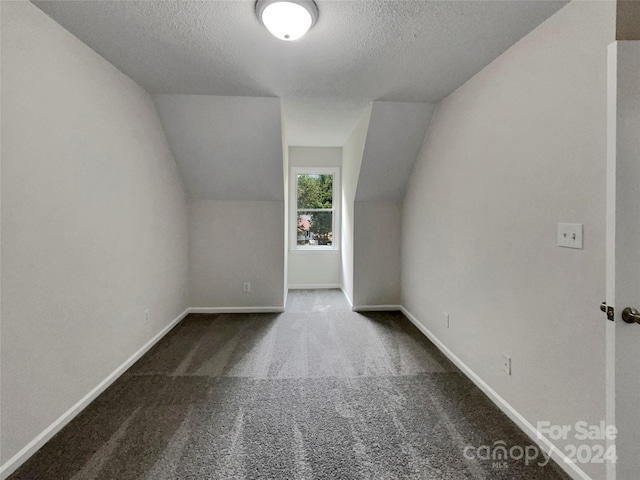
{"type": "Point", "coordinates": [287, 19]}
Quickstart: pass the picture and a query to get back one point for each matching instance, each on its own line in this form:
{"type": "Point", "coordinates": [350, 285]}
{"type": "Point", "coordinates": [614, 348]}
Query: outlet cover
{"type": "Point", "coordinates": [506, 364]}
{"type": "Point", "coordinates": [246, 288]}
{"type": "Point", "coordinates": [570, 235]}
{"type": "Point", "coordinates": [446, 320]}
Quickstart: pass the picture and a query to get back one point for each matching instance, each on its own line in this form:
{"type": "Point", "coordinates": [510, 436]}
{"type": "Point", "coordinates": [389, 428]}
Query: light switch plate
{"type": "Point", "coordinates": [570, 235]}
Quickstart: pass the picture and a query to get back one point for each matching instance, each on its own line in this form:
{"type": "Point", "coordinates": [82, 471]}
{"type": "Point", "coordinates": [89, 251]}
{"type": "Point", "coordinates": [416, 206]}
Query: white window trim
{"type": "Point", "coordinates": [293, 207]}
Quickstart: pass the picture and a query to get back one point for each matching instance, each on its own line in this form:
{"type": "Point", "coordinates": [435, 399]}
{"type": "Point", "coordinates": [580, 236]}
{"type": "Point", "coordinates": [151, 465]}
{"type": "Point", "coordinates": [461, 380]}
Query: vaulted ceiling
{"type": "Point", "coordinates": [359, 51]}
{"type": "Point", "coordinates": [224, 87]}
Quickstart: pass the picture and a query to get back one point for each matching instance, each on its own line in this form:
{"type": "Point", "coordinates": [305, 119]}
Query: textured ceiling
{"type": "Point", "coordinates": [394, 139]}
{"type": "Point", "coordinates": [227, 148]}
{"type": "Point", "coordinates": [359, 51]}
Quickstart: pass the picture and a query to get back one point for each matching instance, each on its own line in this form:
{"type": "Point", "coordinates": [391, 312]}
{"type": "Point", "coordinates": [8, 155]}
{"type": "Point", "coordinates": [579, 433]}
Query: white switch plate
{"type": "Point", "coordinates": [570, 235]}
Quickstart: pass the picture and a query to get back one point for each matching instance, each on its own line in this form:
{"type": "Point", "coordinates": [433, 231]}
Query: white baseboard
{"type": "Point", "coordinates": [572, 469]}
{"type": "Point", "coordinates": [314, 286]}
{"type": "Point", "coordinates": [376, 308]}
{"type": "Point", "coordinates": [347, 297]}
{"type": "Point", "coordinates": [34, 445]}
{"type": "Point", "coordinates": [236, 309]}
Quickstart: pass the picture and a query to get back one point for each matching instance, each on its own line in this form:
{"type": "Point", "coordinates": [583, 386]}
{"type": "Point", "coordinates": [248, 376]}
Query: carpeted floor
{"type": "Point", "coordinates": [316, 392]}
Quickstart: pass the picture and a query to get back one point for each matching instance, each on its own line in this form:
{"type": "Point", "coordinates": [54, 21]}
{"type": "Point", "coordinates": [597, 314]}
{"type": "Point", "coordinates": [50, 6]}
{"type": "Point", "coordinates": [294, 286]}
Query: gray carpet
{"type": "Point", "coordinates": [316, 392]}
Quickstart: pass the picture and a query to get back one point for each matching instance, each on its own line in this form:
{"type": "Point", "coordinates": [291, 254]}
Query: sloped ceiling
{"type": "Point", "coordinates": [359, 51]}
{"type": "Point", "coordinates": [394, 139]}
{"type": "Point", "coordinates": [226, 148]}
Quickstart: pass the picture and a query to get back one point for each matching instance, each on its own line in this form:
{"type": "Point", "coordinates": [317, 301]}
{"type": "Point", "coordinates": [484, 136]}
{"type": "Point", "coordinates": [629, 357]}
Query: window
{"type": "Point", "coordinates": [315, 208]}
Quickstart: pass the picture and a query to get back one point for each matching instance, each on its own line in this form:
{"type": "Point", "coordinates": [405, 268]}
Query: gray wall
{"type": "Point", "coordinates": [94, 228]}
{"type": "Point", "coordinates": [230, 152]}
{"type": "Point", "coordinates": [351, 161]}
{"type": "Point", "coordinates": [384, 155]}
{"type": "Point", "coordinates": [232, 242]}
{"type": "Point", "coordinates": [226, 148]}
{"type": "Point", "coordinates": [371, 229]}
{"type": "Point", "coordinates": [513, 152]}
{"type": "Point", "coordinates": [395, 134]}
{"type": "Point", "coordinates": [377, 260]}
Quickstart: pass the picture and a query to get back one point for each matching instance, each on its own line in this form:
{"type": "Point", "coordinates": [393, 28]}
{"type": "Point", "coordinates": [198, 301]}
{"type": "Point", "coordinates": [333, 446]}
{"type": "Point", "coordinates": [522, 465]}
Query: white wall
{"type": "Point", "coordinates": [226, 148]}
{"type": "Point", "coordinates": [319, 268]}
{"type": "Point", "coordinates": [314, 269]}
{"type": "Point", "coordinates": [351, 161]}
{"type": "Point", "coordinates": [377, 258]}
{"type": "Point", "coordinates": [232, 242]}
{"type": "Point", "coordinates": [395, 134]}
{"type": "Point", "coordinates": [93, 223]}
{"type": "Point", "coordinates": [371, 230]}
{"type": "Point", "coordinates": [315, 156]}
{"type": "Point", "coordinates": [516, 150]}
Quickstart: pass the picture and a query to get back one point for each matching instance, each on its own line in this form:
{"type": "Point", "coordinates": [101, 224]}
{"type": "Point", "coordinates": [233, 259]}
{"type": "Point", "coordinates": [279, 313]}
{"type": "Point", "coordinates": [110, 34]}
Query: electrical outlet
{"type": "Point", "coordinates": [570, 235]}
{"type": "Point", "coordinates": [146, 316]}
{"type": "Point", "coordinates": [446, 320]}
{"type": "Point", "coordinates": [506, 364]}
{"type": "Point", "coordinates": [246, 287]}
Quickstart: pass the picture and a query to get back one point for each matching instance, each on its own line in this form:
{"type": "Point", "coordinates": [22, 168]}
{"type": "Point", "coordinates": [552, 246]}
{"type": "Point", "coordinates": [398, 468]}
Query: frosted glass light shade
{"type": "Point", "coordinates": [287, 20]}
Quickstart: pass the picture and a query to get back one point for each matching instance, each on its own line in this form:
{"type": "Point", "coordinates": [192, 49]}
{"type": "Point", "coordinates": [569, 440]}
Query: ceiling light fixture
{"type": "Point", "coordinates": [287, 19]}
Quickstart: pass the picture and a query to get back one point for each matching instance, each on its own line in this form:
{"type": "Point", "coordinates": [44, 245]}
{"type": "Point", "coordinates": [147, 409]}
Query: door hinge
{"type": "Point", "coordinates": [608, 310]}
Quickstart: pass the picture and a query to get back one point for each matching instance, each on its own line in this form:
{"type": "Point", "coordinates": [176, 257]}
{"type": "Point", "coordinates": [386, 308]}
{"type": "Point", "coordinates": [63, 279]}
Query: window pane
{"type": "Point", "coordinates": [315, 228]}
{"type": "Point", "coordinates": [315, 191]}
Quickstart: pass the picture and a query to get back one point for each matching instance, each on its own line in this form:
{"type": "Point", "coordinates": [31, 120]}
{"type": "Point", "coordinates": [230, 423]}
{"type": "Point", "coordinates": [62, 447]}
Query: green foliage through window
{"type": "Point", "coordinates": [315, 209]}
{"type": "Point", "coordinates": [315, 191]}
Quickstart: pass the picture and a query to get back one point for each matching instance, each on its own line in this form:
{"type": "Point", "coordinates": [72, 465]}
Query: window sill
{"type": "Point", "coordinates": [314, 249]}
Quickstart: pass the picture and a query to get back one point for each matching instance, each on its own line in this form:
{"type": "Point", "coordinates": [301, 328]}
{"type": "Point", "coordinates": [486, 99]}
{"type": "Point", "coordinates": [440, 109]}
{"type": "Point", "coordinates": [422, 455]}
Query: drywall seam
{"type": "Point", "coordinates": [34, 445]}
{"type": "Point", "coordinates": [564, 462]}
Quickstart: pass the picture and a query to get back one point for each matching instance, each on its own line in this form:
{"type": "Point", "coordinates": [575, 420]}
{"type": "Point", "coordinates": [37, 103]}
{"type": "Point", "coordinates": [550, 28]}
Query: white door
{"type": "Point", "coordinates": [623, 255]}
